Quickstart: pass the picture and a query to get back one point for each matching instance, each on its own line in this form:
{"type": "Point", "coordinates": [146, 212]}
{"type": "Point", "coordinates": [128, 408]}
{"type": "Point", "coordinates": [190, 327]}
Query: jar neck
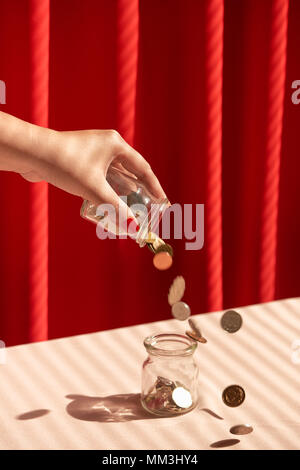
{"type": "Point", "coordinates": [177, 358]}
{"type": "Point", "coordinates": [169, 345]}
{"type": "Point", "coordinates": [151, 222]}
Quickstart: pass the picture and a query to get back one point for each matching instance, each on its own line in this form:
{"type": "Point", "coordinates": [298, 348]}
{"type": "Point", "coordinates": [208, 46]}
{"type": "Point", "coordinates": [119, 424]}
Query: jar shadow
{"type": "Point", "coordinates": [108, 409]}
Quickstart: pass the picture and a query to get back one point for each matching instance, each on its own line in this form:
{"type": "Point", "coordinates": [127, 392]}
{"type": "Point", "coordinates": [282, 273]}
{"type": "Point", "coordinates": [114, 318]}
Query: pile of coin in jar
{"type": "Point", "coordinates": [169, 397]}
{"type": "Point", "coordinates": [172, 397]}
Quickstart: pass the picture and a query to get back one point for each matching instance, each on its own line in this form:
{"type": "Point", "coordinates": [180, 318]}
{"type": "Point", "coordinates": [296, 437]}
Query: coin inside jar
{"type": "Point", "coordinates": [233, 396]}
{"type": "Point", "coordinates": [196, 337]}
{"type": "Point", "coordinates": [182, 397]}
{"type": "Point", "coordinates": [181, 311]}
{"type": "Point", "coordinates": [241, 429]}
{"type": "Point", "coordinates": [231, 321]}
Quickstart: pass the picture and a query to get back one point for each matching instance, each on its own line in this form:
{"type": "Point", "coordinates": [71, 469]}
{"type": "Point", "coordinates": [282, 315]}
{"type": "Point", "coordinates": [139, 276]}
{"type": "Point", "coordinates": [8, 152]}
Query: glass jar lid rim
{"type": "Point", "coordinates": [151, 344]}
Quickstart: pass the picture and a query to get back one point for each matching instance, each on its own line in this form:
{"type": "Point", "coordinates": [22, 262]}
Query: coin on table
{"type": "Point", "coordinates": [241, 429]}
{"type": "Point", "coordinates": [182, 397]}
{"type": "Point", "coordinates": [162, 261]}
{"type": "Point", "coordinates": [233, 396]}
{"type": "Point", "coordinates": [176, 290]}
{"type": "Point", "coordinates": [196, 337]}
{"type": "Point", "coordinates": [181, 311]}
{"type": "Point", "coordinates": [231, 321]}
{"type": "Point", "coordinates": [163, 382]}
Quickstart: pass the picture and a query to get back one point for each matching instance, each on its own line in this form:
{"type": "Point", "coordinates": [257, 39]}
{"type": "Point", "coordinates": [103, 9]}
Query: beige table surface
{"type": "Point", "coordinates": [82, 392]}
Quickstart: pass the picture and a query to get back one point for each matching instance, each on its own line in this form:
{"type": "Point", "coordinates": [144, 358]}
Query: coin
{"type": "Point", "coordinates": [176, 290]}
{"type": "Point", "coordinates": [233, 396]}
{"type": "Point", "coordinates": [231, 321]}
{"type": "Point", "coordinates": [194, 327]}
{"type": "Point", "coordinates": [165, 247]}
{"type": "Point", "coordinates": [162, 261]}
{"type": "Point", "coordinates": [182, 397]}
{"type": "Point", "coordinates": [241, 429]}
{"type": "Point", "coordinates": [181, 311]}
{"type": "Point", "coordinates": [196, 337]}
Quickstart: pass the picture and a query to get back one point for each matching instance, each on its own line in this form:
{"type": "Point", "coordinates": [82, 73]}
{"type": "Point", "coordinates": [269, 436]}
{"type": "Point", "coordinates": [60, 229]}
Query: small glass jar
{"type": "Point", "coordinates": [147, 209]}
{"type": "Point", "coordinates": [169, 375]}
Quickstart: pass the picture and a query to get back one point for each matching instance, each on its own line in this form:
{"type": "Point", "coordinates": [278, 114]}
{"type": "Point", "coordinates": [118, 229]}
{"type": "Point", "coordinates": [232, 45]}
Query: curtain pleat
{"type": "Point", "coordinates": [214, 21]}
{"type": "Point", "coordinates": [38, 244]}
{"type": "Point", "coordinates": [275, 106]}
{"type": "Point", "coordinates": [127, 69]}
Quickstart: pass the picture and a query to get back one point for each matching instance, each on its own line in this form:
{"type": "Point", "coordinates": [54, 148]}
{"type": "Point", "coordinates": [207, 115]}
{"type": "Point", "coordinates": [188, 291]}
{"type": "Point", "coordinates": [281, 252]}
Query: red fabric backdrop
{"type": "Point", "coordinates": [203, 90]}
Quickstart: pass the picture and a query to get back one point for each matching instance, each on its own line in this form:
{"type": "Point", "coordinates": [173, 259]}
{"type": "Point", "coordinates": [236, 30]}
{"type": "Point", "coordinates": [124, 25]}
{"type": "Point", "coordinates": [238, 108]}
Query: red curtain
{"type": "Point", "coordinates": [202, 88]}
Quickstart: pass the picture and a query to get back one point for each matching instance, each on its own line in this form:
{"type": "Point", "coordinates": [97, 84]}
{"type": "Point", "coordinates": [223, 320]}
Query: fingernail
{"type": "Point", "coordinates": [132, 226]}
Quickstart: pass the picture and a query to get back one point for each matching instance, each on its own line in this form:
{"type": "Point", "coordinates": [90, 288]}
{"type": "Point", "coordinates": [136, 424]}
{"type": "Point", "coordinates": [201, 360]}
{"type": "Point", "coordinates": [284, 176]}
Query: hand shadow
{"type": "Point", "coordinates": [108, 409]}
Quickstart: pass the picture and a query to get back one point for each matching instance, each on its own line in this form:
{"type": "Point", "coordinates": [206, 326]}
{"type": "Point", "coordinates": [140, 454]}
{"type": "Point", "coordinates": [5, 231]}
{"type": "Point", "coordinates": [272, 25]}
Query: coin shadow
{"type": "Point", "coordinates": [32, 414]}
{"type": "Point", "coordinates": [108, 409]}
{"type": "Point", "coordinates": [224, 443]}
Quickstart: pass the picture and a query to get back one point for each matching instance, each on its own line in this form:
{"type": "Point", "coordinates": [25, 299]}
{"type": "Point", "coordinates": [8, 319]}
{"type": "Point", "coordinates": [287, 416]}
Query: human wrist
{"type": "Point", "coordinates": [24, 146]}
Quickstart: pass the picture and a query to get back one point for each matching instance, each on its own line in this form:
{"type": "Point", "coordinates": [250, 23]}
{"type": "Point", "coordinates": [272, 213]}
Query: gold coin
{"type": "Point", "coordinates": [233, 396]}
{"type": "Point", "coordinates": [181, 311]}
{"type": "Point", "coordinates": [194, 327]}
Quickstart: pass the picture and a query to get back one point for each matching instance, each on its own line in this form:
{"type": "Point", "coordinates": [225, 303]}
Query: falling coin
{"type": "Point", "coordinates": [231, 321]}
{"type": "Point", "coordinates": [181, 311]}
{"type": "Point", "coordinates": [162, 260]}
{"type": "Point", "coordinates": [241, 429]}
{"type": "Point", "coordinates": [233, 396]}
{"type": "Point", "coordinates": [196, 337]}
{"type": "Point", "coordinates": [176, 290]}
{"type": "Point", "coordinates": [194, 327]}
{"type": "Point", "coordinates": [182, 397]}
{"type": "Point", "coordinates": [165, 248]}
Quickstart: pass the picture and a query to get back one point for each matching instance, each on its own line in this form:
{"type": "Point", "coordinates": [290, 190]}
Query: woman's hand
{"type": "Point", "coordinates": [75, 161]}
{"type": "Point", "coordinates": [81, 161]}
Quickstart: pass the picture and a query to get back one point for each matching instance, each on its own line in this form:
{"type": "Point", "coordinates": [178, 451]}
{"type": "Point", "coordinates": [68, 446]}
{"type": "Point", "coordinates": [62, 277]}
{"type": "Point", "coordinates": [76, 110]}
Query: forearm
{"type": "Point", "coordinates": [75, 161]}
{"type": "Point", "coordinates": [23, 145]}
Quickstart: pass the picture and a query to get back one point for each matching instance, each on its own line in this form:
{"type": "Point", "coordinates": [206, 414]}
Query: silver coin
{"type": "Point", "coordinates": [241, 429]}
{"type": "Point", "coordinates": [164, 381]}
{"type": "Point", "coordinates": [182, 397]}
{"type": "Point", "coordinates": [231, 321]}
{"type": "Point", "coordinates": [195, 337]}
{"type": "Point", "coordinates": [181, 311]}
{"type": "Point", "coordinates": [176, 290]}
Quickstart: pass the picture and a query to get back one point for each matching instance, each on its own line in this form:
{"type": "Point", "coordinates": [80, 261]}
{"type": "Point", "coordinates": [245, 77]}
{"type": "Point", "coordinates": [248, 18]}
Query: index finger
{"type": "Point", "coordinates": [136, 164]}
